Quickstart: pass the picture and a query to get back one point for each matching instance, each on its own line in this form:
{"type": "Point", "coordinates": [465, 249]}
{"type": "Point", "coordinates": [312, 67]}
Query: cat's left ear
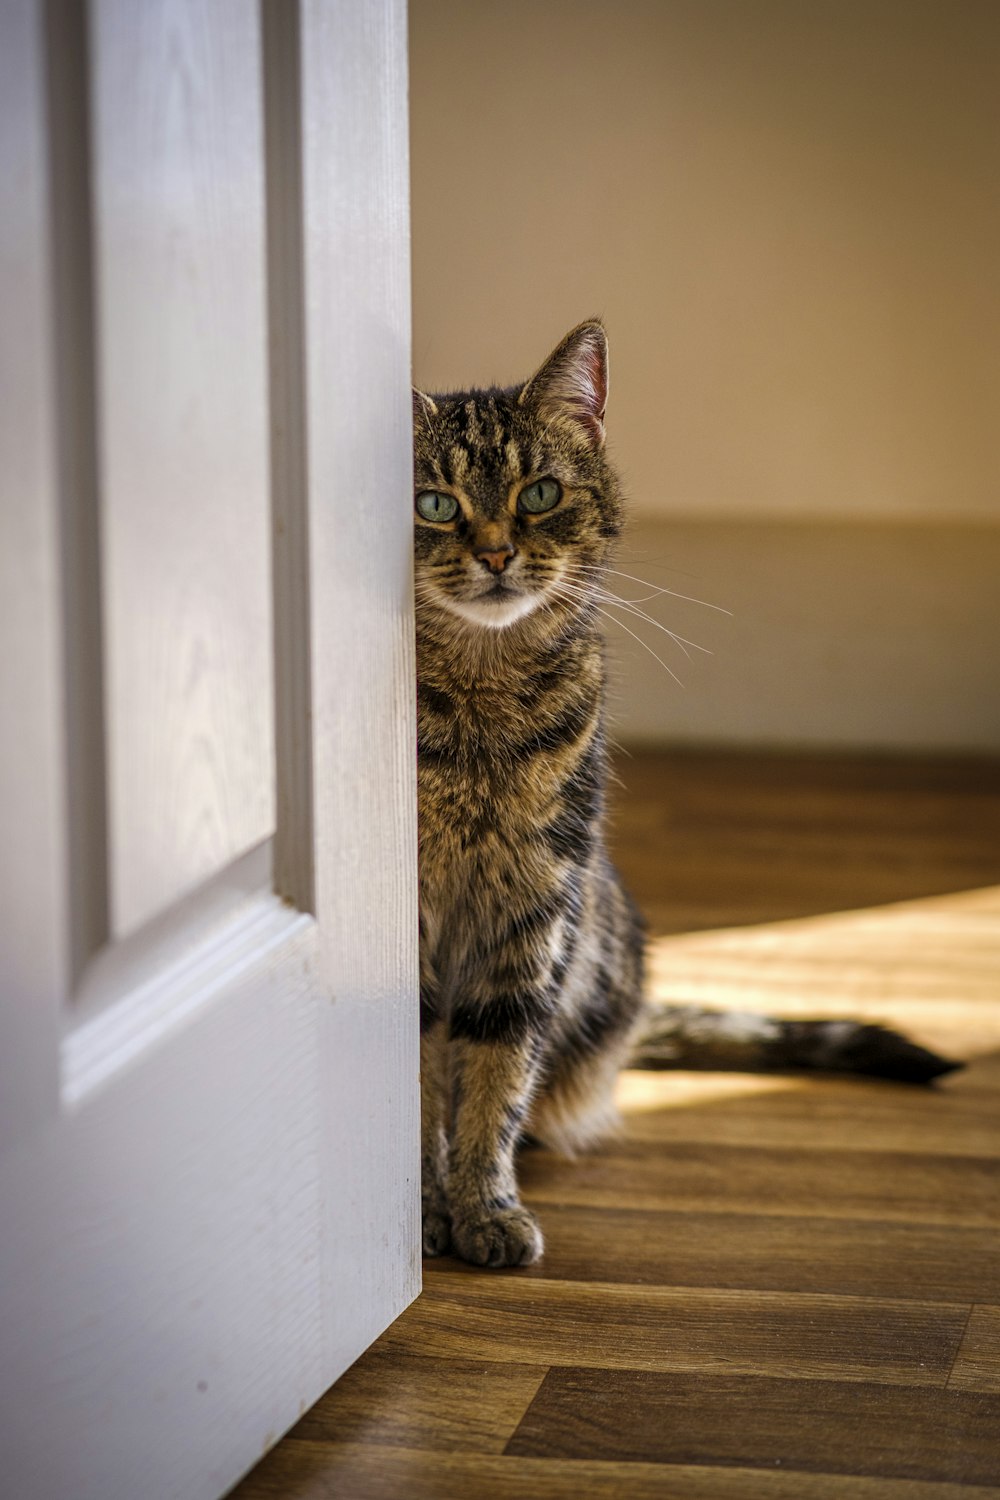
{"type": "Point", "coordinates": [423, 406]}
{"type": "Point", "coordinates": [573, 382]}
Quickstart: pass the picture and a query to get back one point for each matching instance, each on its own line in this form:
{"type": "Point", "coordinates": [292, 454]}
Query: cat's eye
{"type": "Point", "coordinates": [434, 506]}
{"type": "Point", "coordinates": [535, 499]}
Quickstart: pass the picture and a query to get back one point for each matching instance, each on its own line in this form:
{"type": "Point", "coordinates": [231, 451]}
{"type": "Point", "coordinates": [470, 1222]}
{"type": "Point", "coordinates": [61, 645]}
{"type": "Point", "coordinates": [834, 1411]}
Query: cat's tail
{"type": "Point", "coordinates": [685, 1036]}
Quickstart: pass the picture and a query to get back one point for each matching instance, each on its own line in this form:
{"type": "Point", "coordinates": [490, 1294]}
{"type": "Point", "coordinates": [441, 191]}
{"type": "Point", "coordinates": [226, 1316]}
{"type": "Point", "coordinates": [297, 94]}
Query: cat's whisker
{"type": "Point", "coordinates": [610, 598]}
{"type": "Point", "coordinates": [595, 574]}
{"type": "Point", "coordinates": [591, 581]}
{"type": "Point", "coordinates": [673, 592]}
{"type": "Point", "coordinates": [643, 643]}
{"type": "Point", "coordinates": [574, 599]}
{"type": "Point", "coordinates": [645, 598]}
{"type": "Point", "coordinates": [592, 577]}
{"type": "Point", "coordinates": [615, 602]}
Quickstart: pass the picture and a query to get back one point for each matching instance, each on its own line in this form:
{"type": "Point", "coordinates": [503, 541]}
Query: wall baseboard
{"type": "Point", "coordinates": [842, 635]}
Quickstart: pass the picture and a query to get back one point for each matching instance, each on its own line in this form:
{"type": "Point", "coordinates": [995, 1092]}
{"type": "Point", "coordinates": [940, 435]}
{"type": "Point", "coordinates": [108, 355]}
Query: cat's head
{"type": "Point", "coordinates": [516, 504]}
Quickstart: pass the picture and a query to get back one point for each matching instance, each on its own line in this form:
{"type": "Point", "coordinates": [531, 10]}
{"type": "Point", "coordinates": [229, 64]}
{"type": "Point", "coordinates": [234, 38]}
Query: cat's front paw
{"type": "Point", "coordinates": [507, 1237]}
{"type": "Point", "coordinates": [437, 1233]}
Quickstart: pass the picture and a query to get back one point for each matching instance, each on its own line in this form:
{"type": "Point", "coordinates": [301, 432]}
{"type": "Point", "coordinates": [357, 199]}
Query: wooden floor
{"type": "Point", "coordinates": [767, 1287]}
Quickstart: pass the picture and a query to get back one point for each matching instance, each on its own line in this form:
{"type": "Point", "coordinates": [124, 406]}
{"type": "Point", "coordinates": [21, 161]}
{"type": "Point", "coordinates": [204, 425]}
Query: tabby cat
{"type": "Point", "coordinates": [531, 952]}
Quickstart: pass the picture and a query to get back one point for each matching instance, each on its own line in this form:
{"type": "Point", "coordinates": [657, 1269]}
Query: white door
{"type": "Point", "coordinates": [208, 1078]}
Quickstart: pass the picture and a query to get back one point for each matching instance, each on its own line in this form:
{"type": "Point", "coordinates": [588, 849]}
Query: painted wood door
{"type": "Point", "coordinates": [208, 1080]}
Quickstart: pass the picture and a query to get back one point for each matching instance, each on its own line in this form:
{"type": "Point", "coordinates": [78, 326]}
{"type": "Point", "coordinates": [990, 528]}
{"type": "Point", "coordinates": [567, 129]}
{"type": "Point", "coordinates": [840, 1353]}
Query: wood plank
{"type": "Point", "coordinates": [749, 1179]}
{"type": "Point", "coordinates": [541, 1321]}
{"type": "Point", "coordinates": [846, 1257]}
{"type": "Point", "coordinates": [472, 1405]}
{"type": "Point", "coordinates": [185, 497]}
{"type": "Point", "coordinates": [710, 839]}
{"type": "Point", "coordinates": [354, 1471]}
{"type": "Point", "coordinates": [959, 1118]}
{"type": "Point", "coordinates": [815, 1426]}
{"type": "Point", "coordinates": [977, 1367]}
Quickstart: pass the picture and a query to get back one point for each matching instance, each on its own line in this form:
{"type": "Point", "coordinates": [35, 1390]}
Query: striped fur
{"type": "Point", "coordinates": [530, 949]}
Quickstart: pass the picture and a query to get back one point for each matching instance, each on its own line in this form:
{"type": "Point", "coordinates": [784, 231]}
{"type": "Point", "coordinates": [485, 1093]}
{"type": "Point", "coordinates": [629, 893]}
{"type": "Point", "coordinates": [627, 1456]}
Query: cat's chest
{"type": "Point", "coordinates": [470, 760]}
{"type": "Point", "coordinates": [482, 825]}
{"type": "Point", "coordinates": [473, 727]}
{"type": "Point", "coordinates": [480, 787]}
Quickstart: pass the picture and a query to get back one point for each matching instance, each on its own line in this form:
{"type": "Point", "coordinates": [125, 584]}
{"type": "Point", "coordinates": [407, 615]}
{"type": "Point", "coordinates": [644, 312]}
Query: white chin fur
{"type": "Point", "coordinates": [493, 616]}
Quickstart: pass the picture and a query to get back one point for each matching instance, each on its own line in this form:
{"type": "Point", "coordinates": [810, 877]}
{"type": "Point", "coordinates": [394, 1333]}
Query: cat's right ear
{"type": "Point", "coordinates": [423, 407]}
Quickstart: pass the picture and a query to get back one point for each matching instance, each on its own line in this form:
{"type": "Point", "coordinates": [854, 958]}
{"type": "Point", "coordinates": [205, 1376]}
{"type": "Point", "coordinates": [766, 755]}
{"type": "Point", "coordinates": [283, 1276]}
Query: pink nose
{"type": "Point", "coordinates": [497, 560]}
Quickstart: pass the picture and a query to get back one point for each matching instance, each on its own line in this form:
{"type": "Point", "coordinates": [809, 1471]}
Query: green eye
{"type": "Point", "coordinates": [436, 507]}
{"type": "Point", "coordinates": [539, 497]}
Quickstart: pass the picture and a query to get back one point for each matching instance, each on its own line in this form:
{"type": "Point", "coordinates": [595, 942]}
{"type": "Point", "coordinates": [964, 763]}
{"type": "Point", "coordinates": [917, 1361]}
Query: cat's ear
{"type": "Point", "coordinates": [423, 407]}
{"type": "Point", "coordinates": [573, 382]}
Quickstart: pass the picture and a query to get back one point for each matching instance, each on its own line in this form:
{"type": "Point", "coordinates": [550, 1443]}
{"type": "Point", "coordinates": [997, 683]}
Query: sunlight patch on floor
{"type": "Point", "coordinates": [639, 1092]}
{"type": "Point", "coordinates": [929, 967]}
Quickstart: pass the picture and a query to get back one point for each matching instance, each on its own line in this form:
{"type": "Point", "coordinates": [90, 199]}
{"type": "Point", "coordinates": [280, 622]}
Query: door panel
{"type": "Point", "coordinates": [160, 1318]}
{"type": "Point", "coordinates": [178, 181]}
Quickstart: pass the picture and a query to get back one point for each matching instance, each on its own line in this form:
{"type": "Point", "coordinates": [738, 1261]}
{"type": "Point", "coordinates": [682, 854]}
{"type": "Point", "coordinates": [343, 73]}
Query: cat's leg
{"type": "Point", "coordinates": [593, 1039]}
{"type": "Point", "coordinates": [433, 1114]}
{"type": "Point", "coordinates": [492, 1082]}
{"type": "Point", "coordinates": [492, 1091]}
{"type": "Point", "coordinates": [434, 1141]}
{"type": "Point", "coordinates": [577, 1110]}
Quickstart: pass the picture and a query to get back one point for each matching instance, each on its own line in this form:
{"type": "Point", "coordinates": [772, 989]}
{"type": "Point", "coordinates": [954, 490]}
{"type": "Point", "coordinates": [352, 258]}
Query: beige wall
{"type": "Point", "coordinates": [788, 212]}
{"type": "Point", "coordinates": [876, 635]}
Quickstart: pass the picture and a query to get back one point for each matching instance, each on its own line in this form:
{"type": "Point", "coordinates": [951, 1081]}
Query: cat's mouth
{"type": "Point", "coordinates": [497, 605]}
{"type": "Point", "coordinates": [500, 592]}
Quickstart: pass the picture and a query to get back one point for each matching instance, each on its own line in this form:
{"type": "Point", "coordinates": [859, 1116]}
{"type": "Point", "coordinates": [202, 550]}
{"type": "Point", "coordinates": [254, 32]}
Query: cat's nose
{"type": "Point", "coordinates": [496, 559]}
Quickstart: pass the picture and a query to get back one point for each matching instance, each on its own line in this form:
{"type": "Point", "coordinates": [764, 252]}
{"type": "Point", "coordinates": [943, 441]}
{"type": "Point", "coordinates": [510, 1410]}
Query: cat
{"type": "Point", "coordinates": [531, 951]}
